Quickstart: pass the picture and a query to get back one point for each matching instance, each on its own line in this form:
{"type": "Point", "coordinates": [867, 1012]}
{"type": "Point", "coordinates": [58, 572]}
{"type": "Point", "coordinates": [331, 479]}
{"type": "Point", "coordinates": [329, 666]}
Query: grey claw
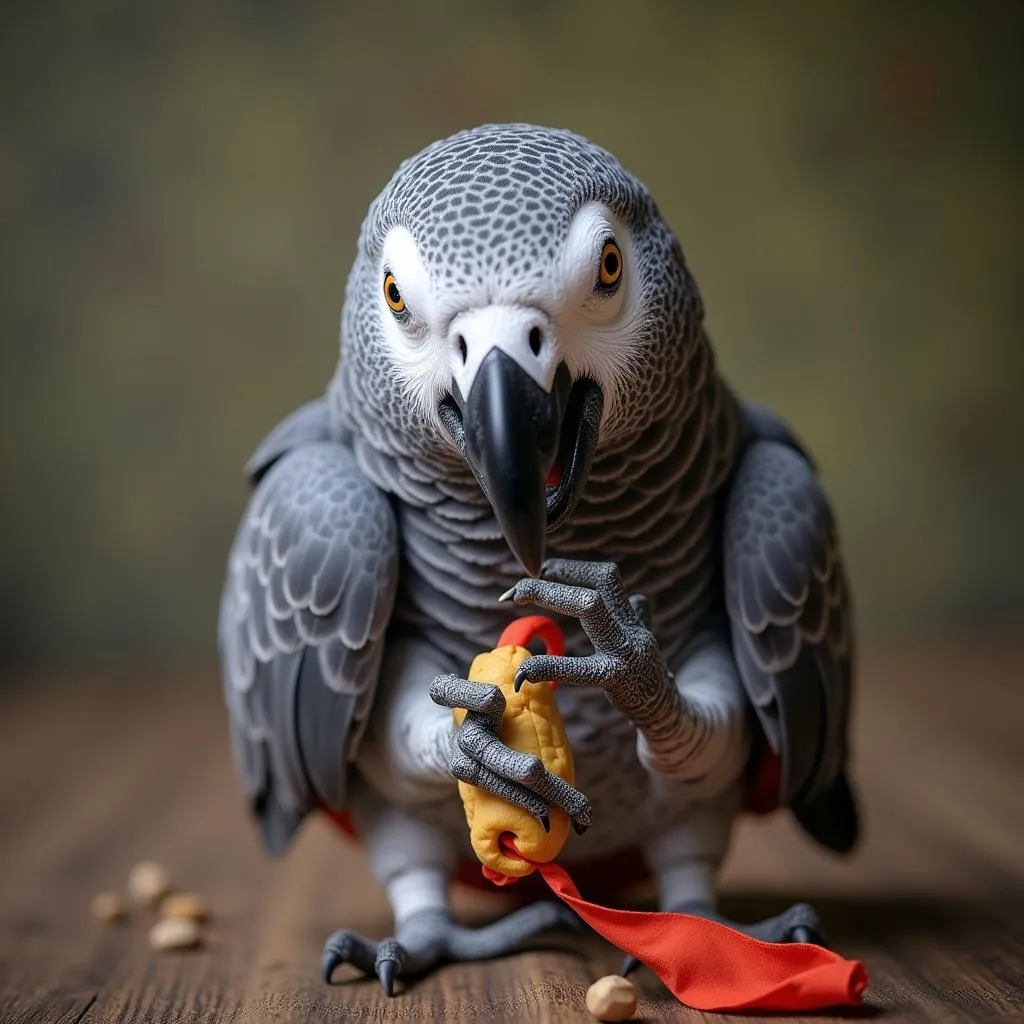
{"type": "Point", "coordinates": [509, 594]}
{"type": "Point", "coordinates": [798, 924]}
{"type": "Point", "coordinates": [328, 962]}
{"type": "Point", "coordinates": [629, 965]}
{"type": "Point", "coordinates": [386, 970]}
{"type": "Point", "coordinates": [641, 608]}
{"type": "Point", "coordinates": [804, 925]}
{"type": "Point", "coordinates": [391, 961]}
{"type": "Point", "coordinates": [801, 933]}
{"type": "Point", "coordinates": [346, 947]}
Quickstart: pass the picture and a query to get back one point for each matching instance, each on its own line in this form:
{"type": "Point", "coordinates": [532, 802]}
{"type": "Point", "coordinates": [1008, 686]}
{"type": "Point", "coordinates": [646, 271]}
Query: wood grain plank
{"type": "Point", "coordinates": [50, 951]}
{"type": "Point", "coordinates": [933, 904]}
{"type": "Point", "coordinates": [196, 827]}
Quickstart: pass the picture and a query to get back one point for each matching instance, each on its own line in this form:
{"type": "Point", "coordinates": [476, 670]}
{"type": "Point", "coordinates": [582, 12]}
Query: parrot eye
{"type": "Point", "coordinates": [610, 268]}
{"type": "Point", "coordinates": [392, 296]}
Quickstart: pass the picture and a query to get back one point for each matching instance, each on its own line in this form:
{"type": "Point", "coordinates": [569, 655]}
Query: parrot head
{"type": "Point", "coordinates": [516, 298]}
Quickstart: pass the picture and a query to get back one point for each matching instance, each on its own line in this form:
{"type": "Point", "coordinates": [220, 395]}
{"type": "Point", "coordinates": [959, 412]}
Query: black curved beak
{"type": "Point", "coordinates": [512, 431]}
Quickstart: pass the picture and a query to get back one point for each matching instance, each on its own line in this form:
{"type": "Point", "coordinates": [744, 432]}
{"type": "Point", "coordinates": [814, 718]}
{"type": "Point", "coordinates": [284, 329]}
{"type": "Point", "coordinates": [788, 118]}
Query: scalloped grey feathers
{"type": "Point", "coordinates": [311, 585]}
{"type": "Point", "coordinates": [787, 597]}
{"type": "Point", "coordinates": [314, 568]}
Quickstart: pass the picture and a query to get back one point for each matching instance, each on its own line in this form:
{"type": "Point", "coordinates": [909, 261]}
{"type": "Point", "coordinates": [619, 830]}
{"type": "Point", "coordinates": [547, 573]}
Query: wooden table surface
{"type": "Point", "coordinates": [95, 776]}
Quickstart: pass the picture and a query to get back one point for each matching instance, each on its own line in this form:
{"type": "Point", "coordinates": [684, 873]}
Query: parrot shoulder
{"type": "Point", "coordinates": [308, 423]}
{"type": "Point", "coordinates": [763, 424]}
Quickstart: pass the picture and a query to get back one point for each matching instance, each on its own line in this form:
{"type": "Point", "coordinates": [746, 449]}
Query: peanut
{"type": "Point", "coordinates": [185, 904]}
{"type": "Point", "coordinates": [175, 933]}
{"type": "Point", "coordinates": [148, 883]}
{"type": "Point", "coordinates": [110, 907]}
{"type": "Point", "coordinates": [612, 998]}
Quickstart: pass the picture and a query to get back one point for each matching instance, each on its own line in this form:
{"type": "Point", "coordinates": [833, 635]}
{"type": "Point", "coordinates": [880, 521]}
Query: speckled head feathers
{"type": "Point", "coordinates": [508, 216]}
{"type": "Point", "coordinates": [499, 198]}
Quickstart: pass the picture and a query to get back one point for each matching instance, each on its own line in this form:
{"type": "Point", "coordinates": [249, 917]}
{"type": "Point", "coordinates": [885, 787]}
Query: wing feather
{"type": "Point", "coordinates": [788, 600]}
{"type": "Point", "coordinates": [309, 592]}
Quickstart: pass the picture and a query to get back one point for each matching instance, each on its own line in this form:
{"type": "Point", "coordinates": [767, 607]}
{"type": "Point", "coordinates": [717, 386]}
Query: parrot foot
{"type": "Point", "coordinates": [431, 937]}
{"type": "Point", "coordinates": [797, 924]}
{"type": "Point", "coordinates": [626, 663]}
{"type": "Point", "coordinates": [479, 757]}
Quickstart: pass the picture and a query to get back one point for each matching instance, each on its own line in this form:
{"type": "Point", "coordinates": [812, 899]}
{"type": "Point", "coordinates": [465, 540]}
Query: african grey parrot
{"type": "Point", "coordinates": [524, 371]}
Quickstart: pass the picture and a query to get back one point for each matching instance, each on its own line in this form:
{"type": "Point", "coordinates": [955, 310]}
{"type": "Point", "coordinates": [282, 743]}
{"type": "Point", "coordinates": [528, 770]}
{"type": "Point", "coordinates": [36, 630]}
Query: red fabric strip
{"type": "Point", "coordinates": [709, 966]}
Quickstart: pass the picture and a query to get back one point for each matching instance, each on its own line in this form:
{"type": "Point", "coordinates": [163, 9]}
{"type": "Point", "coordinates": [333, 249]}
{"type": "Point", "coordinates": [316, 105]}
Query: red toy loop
{"type": "Point", "coordinates": [520, 632]}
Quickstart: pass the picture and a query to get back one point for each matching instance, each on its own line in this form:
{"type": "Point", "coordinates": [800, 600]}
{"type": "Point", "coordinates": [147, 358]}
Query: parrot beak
{"type": "Point", "coordinates": [529, 448]}
{"type": "Point", "coordinates": [512, 428]}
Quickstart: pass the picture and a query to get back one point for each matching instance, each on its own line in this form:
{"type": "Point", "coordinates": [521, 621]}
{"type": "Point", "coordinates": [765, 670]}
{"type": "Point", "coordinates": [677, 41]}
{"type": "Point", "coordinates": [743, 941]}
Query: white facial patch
{"type": "Point", "coordinates": [558, 316]}
{"type": "Point", "coordinates": [523, 333]}
{"type": "Point", "coordinates": [599, 333]}
{"type": "Point", "coordinates": [413, 341]}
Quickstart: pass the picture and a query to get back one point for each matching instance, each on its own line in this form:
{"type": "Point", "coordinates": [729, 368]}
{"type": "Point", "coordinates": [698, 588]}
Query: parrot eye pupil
{"type": "Point", "coordinates": [392, 295]}
{"type": "Point", "coordinates": [610, 267]}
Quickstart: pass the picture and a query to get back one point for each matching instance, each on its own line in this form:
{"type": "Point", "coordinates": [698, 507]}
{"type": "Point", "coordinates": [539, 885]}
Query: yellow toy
{"type": "Point", "coordinates": [532, 724]}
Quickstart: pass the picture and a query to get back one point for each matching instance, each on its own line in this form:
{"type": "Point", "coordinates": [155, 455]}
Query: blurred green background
{"type": "Point", "coordinates": [181, 186]}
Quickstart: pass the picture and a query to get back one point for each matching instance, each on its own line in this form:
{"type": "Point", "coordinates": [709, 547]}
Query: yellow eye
{"type": "Point", "coordinates": [611, 265]}
{"type": "Point", "coordinates": [392, 296]}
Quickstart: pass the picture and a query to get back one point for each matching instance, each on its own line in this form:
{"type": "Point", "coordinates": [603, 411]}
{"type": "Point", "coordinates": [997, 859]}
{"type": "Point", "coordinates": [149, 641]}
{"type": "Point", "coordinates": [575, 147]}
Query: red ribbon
{"type": "Point", "coordinates": [705, 964]}
{"type": "Point", "coordinates": [709, 966]}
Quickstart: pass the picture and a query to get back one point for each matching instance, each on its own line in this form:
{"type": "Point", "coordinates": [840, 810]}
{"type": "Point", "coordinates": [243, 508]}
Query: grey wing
{"type": "Point", "coordinates": [792, 628]}
{"type": "Point", "coordinates": [310, 588]}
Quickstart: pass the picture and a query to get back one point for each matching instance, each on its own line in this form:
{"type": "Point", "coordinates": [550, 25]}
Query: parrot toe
{"type": "Point", "coordinates": [509, 933]}
{"type": "Point", "coordinates": [390, 963]}
{"type": "Point", "coordinates": [799, 923]}
{"type": "Point", "coordinates": [386, 972]}
{"type": "Point", "coordinates": [347, 947]}
{"type": "Point", "coordinates": [804, 934]}
{"type": "Point", "coordinates": [431, 938]}
{"type": "Point", "coordinates": [627, 663]}
{"type": "Point", "coordinates": [480, 758]}
{"type": "Point", "coordinates": [388, 960]}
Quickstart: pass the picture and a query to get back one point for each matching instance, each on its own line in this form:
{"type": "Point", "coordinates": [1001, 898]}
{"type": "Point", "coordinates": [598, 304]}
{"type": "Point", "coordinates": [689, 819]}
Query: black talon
{"type": "Point", "coordinates": [386, 970]}
{"type": "Point", "coordinates": [801, 933]}
{"type": "Point", "coordinates": [430, 937]}
{"type": "Point", "coordinates": [328, 962]}
{"type": "Point", "coordinates": [346, 947]}
{"type": "Point", "coordinates": [545, 820]}
{"type": "Point", "coordinates": [804, 925]}
{"type": "Point", "coordinates": [629, 965]}
{"type": "Point", "coordinates": [798, 924]}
